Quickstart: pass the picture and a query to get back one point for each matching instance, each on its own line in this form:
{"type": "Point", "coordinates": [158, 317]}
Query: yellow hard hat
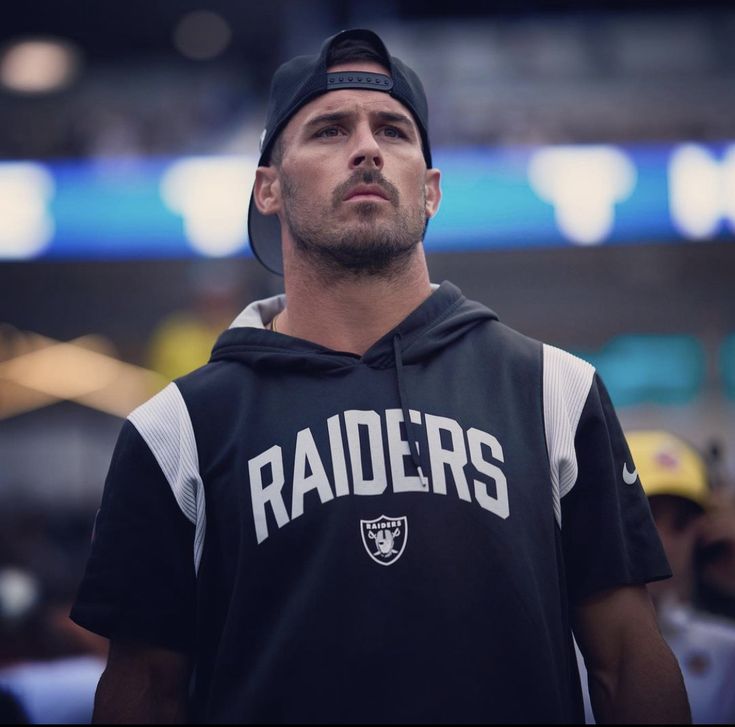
{"type": "Point", "coordinates": [668, 465]}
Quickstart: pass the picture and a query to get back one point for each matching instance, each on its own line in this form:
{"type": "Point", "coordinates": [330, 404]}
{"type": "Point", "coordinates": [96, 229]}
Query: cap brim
{"type": "Point", "coordinates": [264, 232]}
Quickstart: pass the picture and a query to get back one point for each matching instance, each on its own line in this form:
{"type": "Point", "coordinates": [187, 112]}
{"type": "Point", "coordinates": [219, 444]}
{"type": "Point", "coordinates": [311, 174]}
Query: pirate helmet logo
{"type": "Point", "coordinates": [385, 538]}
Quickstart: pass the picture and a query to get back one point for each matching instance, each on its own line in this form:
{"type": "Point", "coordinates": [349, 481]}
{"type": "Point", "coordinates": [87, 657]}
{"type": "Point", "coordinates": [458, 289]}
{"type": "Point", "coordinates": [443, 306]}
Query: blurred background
{"type": "Point", "coordinates": [588, 158]}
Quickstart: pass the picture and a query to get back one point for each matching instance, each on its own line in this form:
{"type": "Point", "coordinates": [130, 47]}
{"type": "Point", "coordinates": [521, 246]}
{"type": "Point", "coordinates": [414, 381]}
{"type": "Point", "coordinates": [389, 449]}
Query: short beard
{"type": "Point", "coordinates": [372, 250]}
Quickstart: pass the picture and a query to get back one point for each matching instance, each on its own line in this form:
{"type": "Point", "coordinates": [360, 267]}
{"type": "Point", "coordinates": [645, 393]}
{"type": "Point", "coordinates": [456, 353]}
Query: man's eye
{"type": "Point", "coordinates": [328, 131]}
{"type": "Point", "coordinates": [393, 132]}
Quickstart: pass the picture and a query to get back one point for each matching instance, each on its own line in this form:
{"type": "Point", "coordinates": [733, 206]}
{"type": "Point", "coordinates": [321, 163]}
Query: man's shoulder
{"type": "Point", "coordinates": [559, 362]}
{"type": "Point", "coordinates": [191, 390]}
{"type": "Point", "coordinates": [509, 341]}
{"type": "Point", "coordinates": [516, 343]}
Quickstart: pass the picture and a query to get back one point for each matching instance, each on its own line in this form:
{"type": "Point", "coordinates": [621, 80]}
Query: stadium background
{"type": "Point", "coordinates": [589, 151]}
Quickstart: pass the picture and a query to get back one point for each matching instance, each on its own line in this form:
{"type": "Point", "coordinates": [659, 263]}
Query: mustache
{"type": "Point", "coordinates": [366, 176]}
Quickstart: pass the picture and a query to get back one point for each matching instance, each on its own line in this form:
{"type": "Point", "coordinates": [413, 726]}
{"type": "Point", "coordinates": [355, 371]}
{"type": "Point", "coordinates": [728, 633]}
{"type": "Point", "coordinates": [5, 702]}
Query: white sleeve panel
{"type": "Point", "coordinates": [165, 425]}
{"type": "Point", "coordinates": [567, 382]}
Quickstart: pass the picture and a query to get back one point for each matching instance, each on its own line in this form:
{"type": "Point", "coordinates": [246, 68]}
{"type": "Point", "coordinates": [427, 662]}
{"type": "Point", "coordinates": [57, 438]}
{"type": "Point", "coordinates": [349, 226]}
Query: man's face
{"type": "Point", "coordinates": [352, 189]}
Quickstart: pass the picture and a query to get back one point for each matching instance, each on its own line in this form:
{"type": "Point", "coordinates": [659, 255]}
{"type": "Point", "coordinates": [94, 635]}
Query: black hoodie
{"type": "Point", "coordinates": [272, 515]}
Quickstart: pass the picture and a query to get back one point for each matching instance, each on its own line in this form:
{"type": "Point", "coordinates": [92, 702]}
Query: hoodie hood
{"type": "Point", "coordinates": [445, 316]}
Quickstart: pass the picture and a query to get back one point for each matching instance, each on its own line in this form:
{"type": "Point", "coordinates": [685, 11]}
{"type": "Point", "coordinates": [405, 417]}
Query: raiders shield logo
{"type": "Point", "coordinates": [385, 538]}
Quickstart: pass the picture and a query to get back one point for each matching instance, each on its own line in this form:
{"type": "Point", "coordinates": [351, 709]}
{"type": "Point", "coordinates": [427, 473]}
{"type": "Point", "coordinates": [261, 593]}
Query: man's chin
{"type": "Point", "coordinates": [366, 239]}
{"type": "Point", "coordinates": [361, 253]}
{"type": "Point", "coordinates": [368, 262]}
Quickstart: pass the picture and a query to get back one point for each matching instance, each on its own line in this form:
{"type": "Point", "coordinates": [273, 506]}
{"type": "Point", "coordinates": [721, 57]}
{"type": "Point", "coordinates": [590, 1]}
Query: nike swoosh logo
{"type": "Point", "coordinates": [629, 477]}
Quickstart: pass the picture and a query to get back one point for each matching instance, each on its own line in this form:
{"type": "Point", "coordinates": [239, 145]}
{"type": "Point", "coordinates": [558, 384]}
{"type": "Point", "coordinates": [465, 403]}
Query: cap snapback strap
{"type": "Point", "coordinates": [359, 79]}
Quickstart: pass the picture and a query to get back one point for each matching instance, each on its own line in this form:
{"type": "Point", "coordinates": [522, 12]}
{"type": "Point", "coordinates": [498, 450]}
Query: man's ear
{"type": "Point", "coordinates": [267, 191]}
{"type": "Point", "coordinates": [433, 192]}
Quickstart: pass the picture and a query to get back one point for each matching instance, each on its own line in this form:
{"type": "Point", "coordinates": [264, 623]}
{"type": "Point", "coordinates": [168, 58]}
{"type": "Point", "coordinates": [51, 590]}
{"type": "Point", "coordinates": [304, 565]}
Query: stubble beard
{"type": "Point", "coordinates": [375, 245]}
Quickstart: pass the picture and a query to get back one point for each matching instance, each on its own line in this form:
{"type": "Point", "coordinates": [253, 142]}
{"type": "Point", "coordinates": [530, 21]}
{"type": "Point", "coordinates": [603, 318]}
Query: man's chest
{"type": "Point", "coordinates": [289, 450]}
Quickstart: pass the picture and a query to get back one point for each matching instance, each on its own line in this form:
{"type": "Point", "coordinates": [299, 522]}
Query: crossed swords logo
{"type": "Point", "coordinates": [385, 538]}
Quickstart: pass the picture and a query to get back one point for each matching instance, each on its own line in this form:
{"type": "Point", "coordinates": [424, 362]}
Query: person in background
{"type": "Point", "coordinates": [675, 480]}
{"type": "Point", "coordinates": [49, 666]}
{"type": "Point", "coordinates": [715, 572]}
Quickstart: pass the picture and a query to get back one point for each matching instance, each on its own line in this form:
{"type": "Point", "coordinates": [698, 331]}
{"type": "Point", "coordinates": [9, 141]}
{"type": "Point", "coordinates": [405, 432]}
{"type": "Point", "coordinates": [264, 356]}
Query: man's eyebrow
{"type": "Point", "coordinates": [394, 118]}
{"type": "Point", "coordinates": [333, 118]}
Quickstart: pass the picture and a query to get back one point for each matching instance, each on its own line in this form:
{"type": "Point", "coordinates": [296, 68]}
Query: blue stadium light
{"type": "Point", "coordinates": [656, 369]}
{"type": "Point", "coordinates": [520, 197]}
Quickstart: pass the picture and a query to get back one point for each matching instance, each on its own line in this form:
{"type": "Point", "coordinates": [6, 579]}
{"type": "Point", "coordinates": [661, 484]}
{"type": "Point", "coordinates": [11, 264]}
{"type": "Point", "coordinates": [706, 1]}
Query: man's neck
{"type": "Point", "coordinates": [351, 314]}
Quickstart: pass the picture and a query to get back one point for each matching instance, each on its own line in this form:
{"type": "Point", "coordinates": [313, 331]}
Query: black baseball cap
{"type": "Point", "coordinates": [301, 80]}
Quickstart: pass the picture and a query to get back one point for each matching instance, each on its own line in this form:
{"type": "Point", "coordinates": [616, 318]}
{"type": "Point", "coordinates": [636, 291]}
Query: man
{"type": "Point", "coordinates": [674, 476]}
{"type": "Point", "coordinates": [376, 502]}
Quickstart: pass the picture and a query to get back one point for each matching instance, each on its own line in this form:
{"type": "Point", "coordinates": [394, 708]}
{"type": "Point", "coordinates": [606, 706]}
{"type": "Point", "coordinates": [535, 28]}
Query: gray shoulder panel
{"type": "Point", "coordinates": [165, 425]}
{"type": "Point", "coordinates": [567, 383]}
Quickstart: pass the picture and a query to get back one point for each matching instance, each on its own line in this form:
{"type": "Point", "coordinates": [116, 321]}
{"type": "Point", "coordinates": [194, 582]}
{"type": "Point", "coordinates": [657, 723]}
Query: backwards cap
{"type": "Point", "coordinates": [667, 465]}
{"type": "Point", "coordinates": [301, 80]}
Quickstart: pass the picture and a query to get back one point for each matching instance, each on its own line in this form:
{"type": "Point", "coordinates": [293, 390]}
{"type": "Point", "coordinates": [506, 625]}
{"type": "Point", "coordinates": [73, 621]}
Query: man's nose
{"type": "Point", "coordinates": [366, 152]}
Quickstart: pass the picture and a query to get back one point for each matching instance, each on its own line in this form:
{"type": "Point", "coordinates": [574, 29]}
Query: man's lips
{"type": "Point", "coordinates": [363, 191]}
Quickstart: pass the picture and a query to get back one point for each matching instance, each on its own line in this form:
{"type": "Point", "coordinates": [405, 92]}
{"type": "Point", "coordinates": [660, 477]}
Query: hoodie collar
{"type": "Point", "coordinates": [438, 322]}
{"type": "Point", "coordinates": [260, 313]}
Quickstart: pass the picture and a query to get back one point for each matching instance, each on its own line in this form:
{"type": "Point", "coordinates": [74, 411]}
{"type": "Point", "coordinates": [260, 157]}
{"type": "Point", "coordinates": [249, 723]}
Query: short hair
{"type": "Point", "coordinates": [349, 49]}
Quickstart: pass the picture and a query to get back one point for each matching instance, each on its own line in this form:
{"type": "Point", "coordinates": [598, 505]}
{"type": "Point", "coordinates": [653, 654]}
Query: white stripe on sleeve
{"type": "Point", "coordinates": [165, 425]}
{"type": "Point", "coordinates": [567, 383]}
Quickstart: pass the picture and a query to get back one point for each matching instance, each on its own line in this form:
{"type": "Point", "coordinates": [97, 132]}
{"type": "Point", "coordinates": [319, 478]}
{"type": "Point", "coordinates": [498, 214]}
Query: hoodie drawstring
{"type": "Point", "coordinates": [410, 426]}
